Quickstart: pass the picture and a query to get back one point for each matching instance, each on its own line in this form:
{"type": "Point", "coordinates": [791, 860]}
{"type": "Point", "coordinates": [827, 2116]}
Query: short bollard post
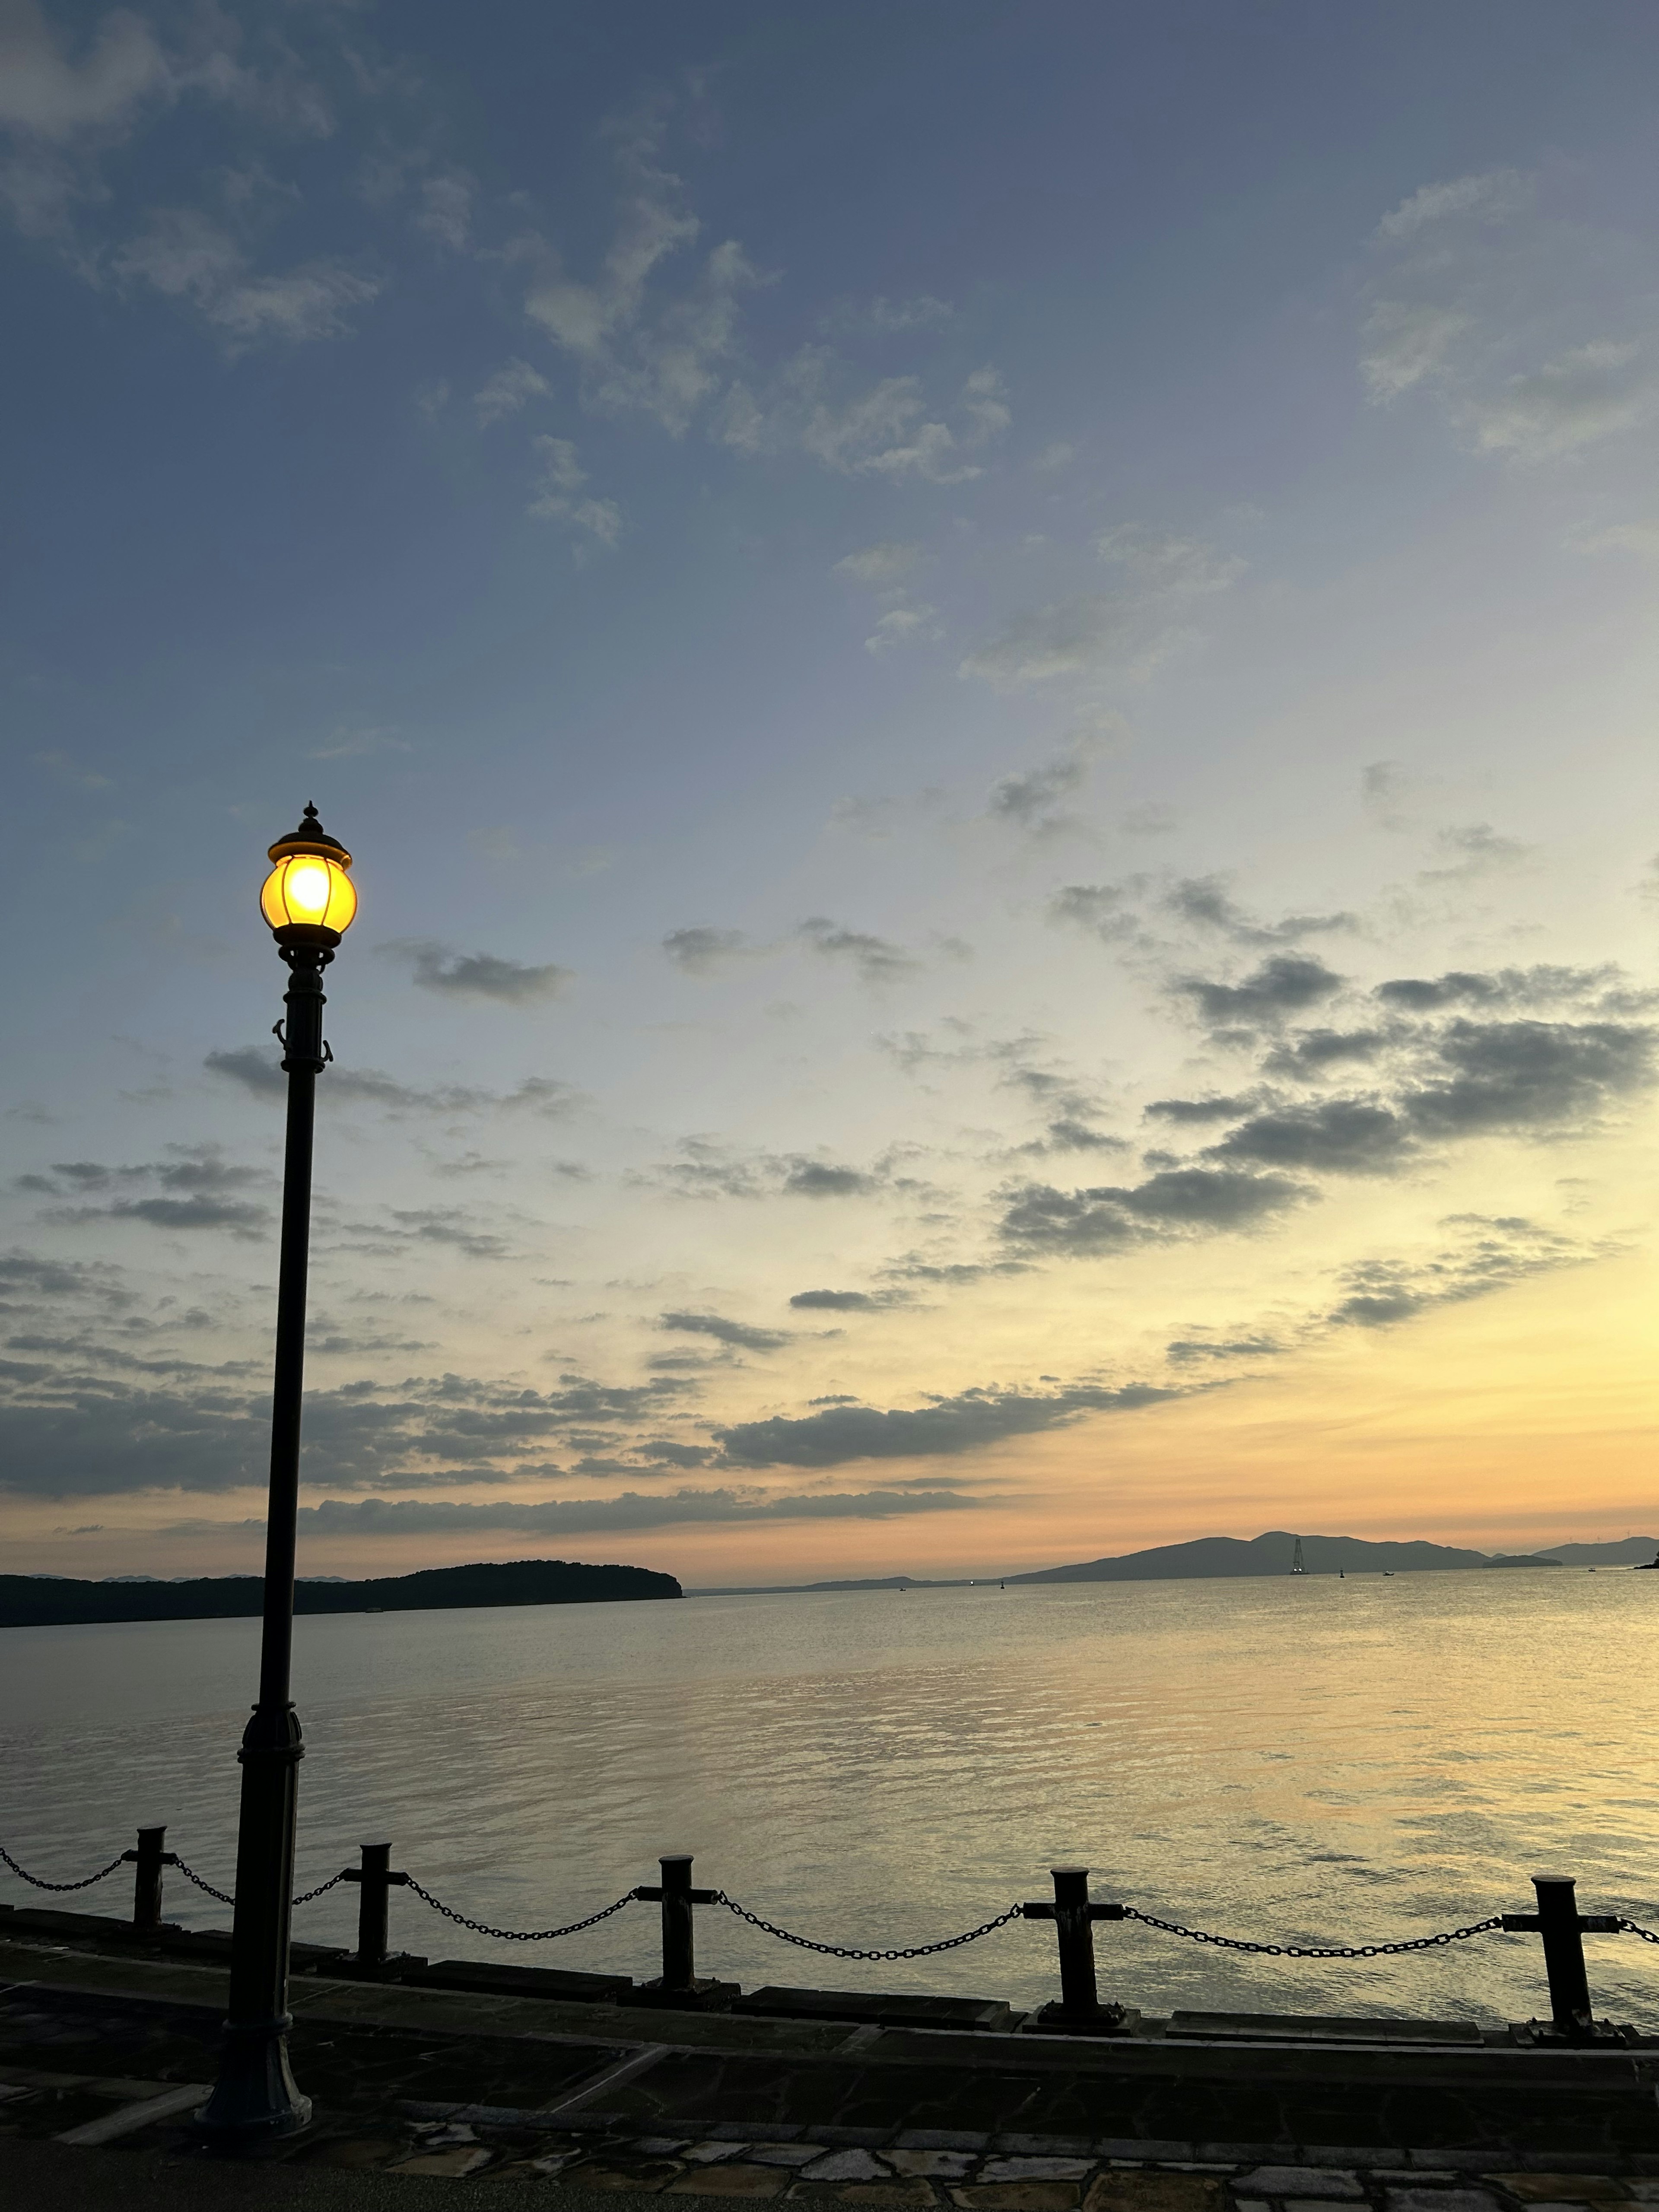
{"type": "Point", "coordinates": [148, 1860]}
{"type": "Point", "coordinates": [679, 1970]}
{"type": "Point", "coordinates": [1563, 1927]}
{"type": "Point", "coordinates": [1076, 1938]}
{"type": "Point", "coordinates": [1074, 1916]}
{"type": "Point", "coordinates": [375, 1880]}
{"type": "Point", "coordinates": [1563, 1949]}
{"type": "Point", "coordinates": [678, 1985]}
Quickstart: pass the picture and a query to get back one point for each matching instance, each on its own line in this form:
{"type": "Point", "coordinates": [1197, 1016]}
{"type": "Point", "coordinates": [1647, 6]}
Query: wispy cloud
{"type": "Point", "coordinates": [478, 974]}
{"type": "Point", "coordinates": [967, 1421]}
{"type": "Point", "coordinates": [740, 1335]}
{"type": "Point", "coordinates": [558, 494]}
{"type": "Point", "coordinates": [1515, 322]}
{"type": "Point", "coordinates": [512, 387]}
{"type": "Point", "coordinates": [1130, 629]}
{"type": "Point", "coordinates": [885, 429]}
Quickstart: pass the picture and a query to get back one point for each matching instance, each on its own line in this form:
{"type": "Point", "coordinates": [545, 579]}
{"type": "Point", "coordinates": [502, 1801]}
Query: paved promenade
{"type": "Point", "coordinates": [105, 2048]}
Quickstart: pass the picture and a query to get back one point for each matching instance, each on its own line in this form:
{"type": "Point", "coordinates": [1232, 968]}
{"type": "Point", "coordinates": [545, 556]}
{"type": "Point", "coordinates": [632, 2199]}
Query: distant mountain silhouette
{"type": "Point", "coordinates": [30, 1600]}
{"type": "Point", "coordinates": [1271, 1554]}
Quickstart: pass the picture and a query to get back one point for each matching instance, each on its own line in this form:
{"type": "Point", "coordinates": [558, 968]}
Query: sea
{"type": "Point", "coordinates": [1287, 1760]}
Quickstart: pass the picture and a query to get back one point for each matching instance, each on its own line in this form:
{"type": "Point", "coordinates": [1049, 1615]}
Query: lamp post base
{"type": "Point", "coordinates": [255, 2099]}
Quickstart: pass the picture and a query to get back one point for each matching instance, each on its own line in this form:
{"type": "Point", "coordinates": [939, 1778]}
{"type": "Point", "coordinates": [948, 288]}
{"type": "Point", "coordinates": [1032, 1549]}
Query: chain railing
{"type": "Point", "coordinates": [1557, 1920]}
{"type": "Point", "coordinates": [1322, 1951]}
{"type": "Point", "coordinates": [513, 1934]}
{"type": "Point", "coordinates": [845, 1951]}
{"type": "Point", "coordinates": [61, 1887]}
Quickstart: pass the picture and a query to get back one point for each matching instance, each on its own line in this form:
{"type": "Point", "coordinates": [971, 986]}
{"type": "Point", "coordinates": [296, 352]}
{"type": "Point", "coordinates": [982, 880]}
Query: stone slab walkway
{"type": "Point", "coordinates": [425, 2086]}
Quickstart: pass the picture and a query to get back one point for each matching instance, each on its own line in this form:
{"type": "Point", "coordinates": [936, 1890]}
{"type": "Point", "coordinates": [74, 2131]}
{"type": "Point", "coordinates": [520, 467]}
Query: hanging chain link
{"type": "Point", "coordinates": [516, 1934]}
{"type": "Point", "coordinates": [1319, 1951]}
{"type": "Point", "coordinates": [1630, 1928]}
{"type": "Point", "coordinates": [35, 1882]}
{"type": "Point", "coordinates": [189, 1874]}
{"type": "Point", "coordinates": [321, 1889]}
{"type": "Point", "coordinates": [845, 1951]}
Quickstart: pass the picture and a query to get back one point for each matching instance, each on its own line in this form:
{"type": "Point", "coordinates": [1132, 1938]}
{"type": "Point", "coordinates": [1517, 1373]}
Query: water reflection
{"type": "Point", "coordinates": [1307, 1761]}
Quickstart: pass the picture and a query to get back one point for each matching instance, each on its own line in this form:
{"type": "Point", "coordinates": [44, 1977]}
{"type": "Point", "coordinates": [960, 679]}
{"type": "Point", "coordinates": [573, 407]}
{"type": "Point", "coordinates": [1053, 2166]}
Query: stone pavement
{"type": "Point", "coordinates": [104, 2054]}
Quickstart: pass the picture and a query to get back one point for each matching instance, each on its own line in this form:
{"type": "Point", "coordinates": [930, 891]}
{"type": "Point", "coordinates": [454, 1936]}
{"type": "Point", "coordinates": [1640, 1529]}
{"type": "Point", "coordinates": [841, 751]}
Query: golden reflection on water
{"type": "Point", "coordinates": [1299, 1761]}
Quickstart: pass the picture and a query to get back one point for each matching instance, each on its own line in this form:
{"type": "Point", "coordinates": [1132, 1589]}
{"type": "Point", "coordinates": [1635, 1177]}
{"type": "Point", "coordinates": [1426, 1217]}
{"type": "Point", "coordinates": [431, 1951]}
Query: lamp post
{"type": "Point", "coordinates": [309, 901]}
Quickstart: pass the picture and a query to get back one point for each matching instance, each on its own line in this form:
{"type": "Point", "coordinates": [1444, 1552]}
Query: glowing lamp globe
{"type": "Point", "coordinates": [309, 897]}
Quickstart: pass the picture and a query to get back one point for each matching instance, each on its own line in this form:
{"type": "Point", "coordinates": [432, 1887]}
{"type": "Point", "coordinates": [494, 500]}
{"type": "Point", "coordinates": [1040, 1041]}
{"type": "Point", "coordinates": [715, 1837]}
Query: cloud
{"type": "Point", "coordinates": [970, 1421]}
{"type": "Point", "coordinates": [635, 350]}
{"type": "Point", "coordinates": [823, 1179]}
{"type": "Point", "coordinates": [632, 1510]}
{"type": "Point", "coordinates": [1479, 850]}
{"type": "Point", "coordinates": [923, 313]}
{"type": "Point", "coordinates": [880, 567]}
{"type": "Point", "coordinates": [250, 1222]}
{"type": "Point", "coordinates": [664, 1451]}
{"type": "Point", "coordinates": [1522, 327]}
{"type": "Point", "coordinates": [1587, 394]}
{"type": "Point", "coordinates": [555, 496]}
{"type": "Point", "coordinates": [69, 771]}
{"type": "Point", "coordinates": [1543, 985]}
{"type": "Point", "coordinates": [254, 1067]}
{"type": "Point", "coordinates": [1342, 1136]}
{"type": "Point", "coordinates": [700, 949]}
{"type": "Point", "coordinates": [1130, 630]}
{"type": "Point", "coordinates": [1186, 1352]}
{"type": "Point", "coordinates": [985, 403]}
{"type": "Point", "coordinates": [501, 396]}
{"type": "Point", "coordinates": [184, 255]}
{"type": "Point", "coordinates": [837, 1302]}
{"type": "Point", "coordinates": [737, 1334]}
{"type": "Point", "coordinates": [883, 430]}
{"type": "Point", "coordinates": [1032, 801]}
{"type": "Point", "coordinates": [877, 960]}
{"type": "Point", "coordinates": [1068, 1134]}
{"type": "Point", "coordinates": [1286, 984]}
{"type": "Point", "coordinates": [901, 626]}
{"type": "Point", "coordinates": [55, 100]}
{"type": "Point", "coordinates": [1489, 198]}
{"type": "Point", "coordinates": [1492, 1255]}
{"type": "Point", "coordinates": [434, 1224]}
{"type": "Point", "coordinates": [1309, 1054]}
{"type": "Point", "coordinates": [1102, 909]}
{"type": "Point", "coordinates": [1641, 537]}
{"type": "Point", "coordinates": [478, 974]}
{"type": "Point", "coordinates": [27, 1277]}
{"type": "Point", "coordinates": [1527, 1074]}
{"type": "Point", "coordinates": [1173, 1203]}
{"type": "Point", "coordinates": [197, 1188]}
{"type": "Point", "coordinates": [707, 1169]}
{"type": "Point", "coordinates": [446, 215]}
{"type": "Point", "coordinates": [1188, 1111]}
{"type": "Point", "coordinates": [81, 1426]}
{"type": "Point", "coordinates": [1204, 902]}
{"type": "Point", "coordinates": [1389, 793]}
{"type": "Point", "coordinates": [347, 744]}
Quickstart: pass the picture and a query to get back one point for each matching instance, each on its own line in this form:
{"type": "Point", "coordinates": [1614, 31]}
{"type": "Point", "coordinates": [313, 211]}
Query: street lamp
{"type": "Point", "coordinates": [308, 899]}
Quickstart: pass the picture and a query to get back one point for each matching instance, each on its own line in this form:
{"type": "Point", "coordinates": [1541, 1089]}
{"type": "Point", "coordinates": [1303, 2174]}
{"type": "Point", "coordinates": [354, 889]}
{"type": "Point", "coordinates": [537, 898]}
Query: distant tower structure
{"type": "Point", "coordinates": [1298, 1565]}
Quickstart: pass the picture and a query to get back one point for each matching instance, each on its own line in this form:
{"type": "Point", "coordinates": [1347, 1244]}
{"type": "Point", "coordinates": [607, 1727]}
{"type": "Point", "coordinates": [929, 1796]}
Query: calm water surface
{"type": "Point", "coordinates": [1307, 1760]}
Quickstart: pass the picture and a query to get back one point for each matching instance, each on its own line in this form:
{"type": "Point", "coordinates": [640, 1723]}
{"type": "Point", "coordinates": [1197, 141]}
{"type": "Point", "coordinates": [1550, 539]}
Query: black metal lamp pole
{"type": "Point", "coordinates": [309, 901]}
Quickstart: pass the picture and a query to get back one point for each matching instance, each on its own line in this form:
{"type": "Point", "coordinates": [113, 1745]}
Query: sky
{"type": "Point", "coordinates": [991, 668]}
